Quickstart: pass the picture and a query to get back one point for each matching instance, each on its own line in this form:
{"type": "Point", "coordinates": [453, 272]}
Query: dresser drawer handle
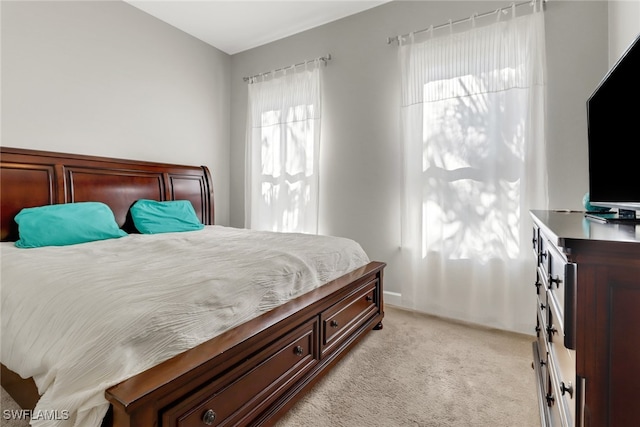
{"type": "Point", "coordinates": [209, 417]}
{"type": "Point", "coordinates": [369, 298]}
{"type": "Point", "coordinates": [566, 388]}
{"type": "Point", "coordinates": [299, 351]}
{"type": "Point", "coordinates": [550, 399]}
{"type": "Point", "coordinates": [333, 324]}
{"type": "Point", "coordinates": [556, 280]}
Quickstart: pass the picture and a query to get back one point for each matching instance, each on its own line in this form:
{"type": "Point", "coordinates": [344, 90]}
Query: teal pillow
{"type": "Point", "coordinates": [153, 217]}
{"type": "Point", "coordinates": [66, 224]}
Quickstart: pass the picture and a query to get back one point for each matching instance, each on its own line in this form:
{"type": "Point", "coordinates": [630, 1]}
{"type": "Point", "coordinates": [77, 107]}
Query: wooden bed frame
{"type": "Point", "coordinates": [249, 375]}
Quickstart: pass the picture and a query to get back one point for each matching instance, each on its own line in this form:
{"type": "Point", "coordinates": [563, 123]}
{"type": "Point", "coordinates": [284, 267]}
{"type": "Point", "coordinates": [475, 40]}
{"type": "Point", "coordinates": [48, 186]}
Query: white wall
{"type": "Point", "coordinates": [360, 153]}
{"type": "Point", "coordinates": [584, 39]}
{"type": "Point", "coordinates": [576, 62]}
{"type": "Point", "coordinates": [104, 78]}
{"type": "Point", "coordinates": [624, 26]}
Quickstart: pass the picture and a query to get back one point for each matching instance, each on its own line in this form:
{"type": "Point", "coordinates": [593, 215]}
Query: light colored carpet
{"type": "Point", "coordinates": [419, 371]}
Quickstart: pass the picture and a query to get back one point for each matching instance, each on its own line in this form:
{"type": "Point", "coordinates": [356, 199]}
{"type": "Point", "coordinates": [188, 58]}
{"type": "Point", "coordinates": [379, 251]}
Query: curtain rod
{"type": "Point", "coordinates": [459, 21]}
{"type": "Point", "coordinates": [309, 61]}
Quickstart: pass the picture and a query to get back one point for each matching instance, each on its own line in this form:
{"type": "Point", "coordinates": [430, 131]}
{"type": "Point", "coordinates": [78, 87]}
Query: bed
{"type": "Point", "coordinates": [248, 373]}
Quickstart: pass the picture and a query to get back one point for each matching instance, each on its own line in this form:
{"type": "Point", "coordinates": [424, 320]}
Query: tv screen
{"type": "Point", "coordinates": [613, 117]}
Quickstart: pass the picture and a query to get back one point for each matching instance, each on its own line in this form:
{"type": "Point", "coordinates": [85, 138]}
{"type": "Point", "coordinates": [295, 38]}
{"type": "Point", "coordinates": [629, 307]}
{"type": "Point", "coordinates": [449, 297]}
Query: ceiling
{"type": "Point", "coordinates": [234, 26]}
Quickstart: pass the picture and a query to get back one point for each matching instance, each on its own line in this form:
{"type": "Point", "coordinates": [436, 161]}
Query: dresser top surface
{"type": "Point", "coordinates": [572, 227]}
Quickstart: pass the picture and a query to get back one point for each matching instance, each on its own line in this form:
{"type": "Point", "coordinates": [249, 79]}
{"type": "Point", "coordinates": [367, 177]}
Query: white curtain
{"type": "Point", "coordinates": [283, 141]}
{"type": "Point", "coordinates": [473, 126]}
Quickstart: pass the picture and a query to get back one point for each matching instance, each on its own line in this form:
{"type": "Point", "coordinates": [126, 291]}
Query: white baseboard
{"type": "Point", "coordinates": [392, 298]}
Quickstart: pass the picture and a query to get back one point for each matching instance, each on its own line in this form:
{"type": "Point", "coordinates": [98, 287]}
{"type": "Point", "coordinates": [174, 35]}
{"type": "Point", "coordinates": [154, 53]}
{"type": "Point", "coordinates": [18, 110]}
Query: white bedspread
{"type": "Point", "coordinates": [79, 319]}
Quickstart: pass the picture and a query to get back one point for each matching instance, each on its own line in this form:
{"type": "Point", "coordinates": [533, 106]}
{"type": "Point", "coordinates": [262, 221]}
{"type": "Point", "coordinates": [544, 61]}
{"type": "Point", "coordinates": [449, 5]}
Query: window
{"type": "Point", "coordinates": [474, 164]}
{"type": "Point", "coordinates": [283, 152]}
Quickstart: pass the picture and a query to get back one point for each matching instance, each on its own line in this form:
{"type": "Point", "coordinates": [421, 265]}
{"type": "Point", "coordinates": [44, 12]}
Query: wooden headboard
{"type": "Point", "coordinates": [31, 178]}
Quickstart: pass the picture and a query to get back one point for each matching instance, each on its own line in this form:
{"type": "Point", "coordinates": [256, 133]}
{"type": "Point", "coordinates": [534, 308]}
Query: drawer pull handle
{"type": "Point", "coordinates": [298, 350]}
{"type": "Point", "coordinates": [369, 298]}
{"type": "Point", "coordinates": [566, 388]}
{"type": "Point", "coordinates": [550, 399]}
{"type": "Point", "coordinates": [209, 417]}
{"type": "Point", "coordinates": [556, 280]}
{"type": "Point", "coordinates": [333, 324]}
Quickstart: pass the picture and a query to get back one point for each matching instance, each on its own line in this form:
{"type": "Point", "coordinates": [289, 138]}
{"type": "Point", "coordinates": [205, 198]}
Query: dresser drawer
{"type": "Point", "coordinates": [555, 331]}
{"type": "Point", "coordinates": [556, 279]}
{"type": "Point", "coordinates": [541, 282]}
{"type": "Point", "coordinates": [341, 319]}
{"type": "Point", "coordinates": [559, 276]}
{"type": "Point", "coordinates": [561, 396]}
{"type": "Point", "coordinates": [541, 380]}
{"type": "Point", "coordinates": [543, 248]}
{"type": "Point", "coordinates": [276, 367]}
{"type": "Point", "coordinates": [561, 299]}
{"type": "Point", "coordinates": [541, 360]}
{"type": "Point", "coordinates": [535, 240]}
{"type": "Point", "coordinates": [562, 362]}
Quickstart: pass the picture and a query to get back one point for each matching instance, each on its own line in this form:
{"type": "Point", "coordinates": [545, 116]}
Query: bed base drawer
{"type": "Point", "coordinates": [223, 402]}
{"type": "Point", "coordinates": [343, 318]}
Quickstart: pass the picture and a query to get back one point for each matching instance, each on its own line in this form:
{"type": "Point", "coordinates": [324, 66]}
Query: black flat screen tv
{"type": "Point", "coordinates": [613, 122]}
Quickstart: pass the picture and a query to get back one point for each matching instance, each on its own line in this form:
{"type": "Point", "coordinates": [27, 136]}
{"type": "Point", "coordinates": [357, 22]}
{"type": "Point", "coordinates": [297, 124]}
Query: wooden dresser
{"type": "Point", "coordinates": [587, 352]}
